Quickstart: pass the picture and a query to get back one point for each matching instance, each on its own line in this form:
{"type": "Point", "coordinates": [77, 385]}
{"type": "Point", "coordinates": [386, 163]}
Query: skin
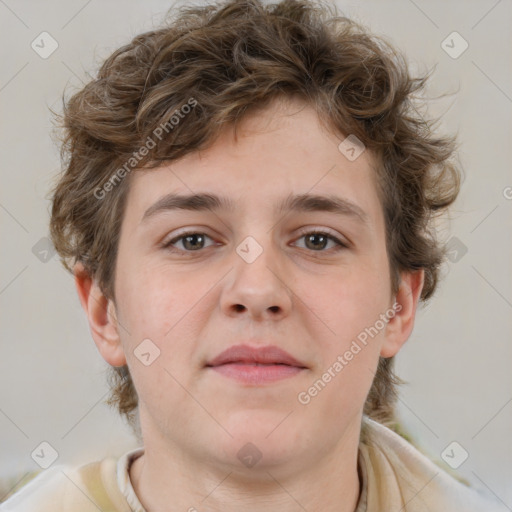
{"type": "Point", "coordinates": [311, 301]}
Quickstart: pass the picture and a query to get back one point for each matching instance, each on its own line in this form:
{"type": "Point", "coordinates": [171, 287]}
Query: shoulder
{"type": "Point", "coordinates": [398, 467]}
{"type": "Point", "coordinates": [85, 488]}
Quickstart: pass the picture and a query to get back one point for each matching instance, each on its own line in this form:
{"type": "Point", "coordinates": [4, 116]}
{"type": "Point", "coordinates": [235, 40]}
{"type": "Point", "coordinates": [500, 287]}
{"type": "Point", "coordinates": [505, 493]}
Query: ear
{"type": "Point", "coordinates": [101, 316]}
{"type": "Point", "coordinates": [400, 326]}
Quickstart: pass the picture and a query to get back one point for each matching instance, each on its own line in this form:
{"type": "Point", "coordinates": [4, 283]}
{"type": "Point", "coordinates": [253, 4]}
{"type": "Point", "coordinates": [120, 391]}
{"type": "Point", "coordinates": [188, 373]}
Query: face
{"type": "Point", "coordinates": [308, 280]}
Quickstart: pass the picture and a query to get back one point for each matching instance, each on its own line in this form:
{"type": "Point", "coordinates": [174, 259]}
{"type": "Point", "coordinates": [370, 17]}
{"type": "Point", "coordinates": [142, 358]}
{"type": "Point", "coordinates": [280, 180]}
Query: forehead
{"type": "Point", "coordinates": [274, 153]}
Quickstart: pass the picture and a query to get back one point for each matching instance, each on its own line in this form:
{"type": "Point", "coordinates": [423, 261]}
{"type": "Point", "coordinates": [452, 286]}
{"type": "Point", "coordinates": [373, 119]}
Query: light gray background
{"type": "Point", "coordinates": [458, 360]}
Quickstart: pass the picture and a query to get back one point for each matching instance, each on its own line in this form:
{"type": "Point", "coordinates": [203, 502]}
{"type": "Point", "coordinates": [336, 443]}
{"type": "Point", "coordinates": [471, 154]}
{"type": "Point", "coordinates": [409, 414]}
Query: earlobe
{"type": "Point", "coordinates": [100, 313]}
{"type": "Point", "coordinates": [400, 326]}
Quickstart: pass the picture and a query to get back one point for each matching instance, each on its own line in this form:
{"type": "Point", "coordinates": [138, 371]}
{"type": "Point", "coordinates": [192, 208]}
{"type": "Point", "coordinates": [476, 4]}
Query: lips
{"type": "Point", "coordinates": [251, 367]}
{"type": "Point", "coordinates": [244, 354]}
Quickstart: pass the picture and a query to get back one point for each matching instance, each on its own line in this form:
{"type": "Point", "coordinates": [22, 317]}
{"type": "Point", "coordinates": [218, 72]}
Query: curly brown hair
{"type": "Point", "coordinates": [226, 60]}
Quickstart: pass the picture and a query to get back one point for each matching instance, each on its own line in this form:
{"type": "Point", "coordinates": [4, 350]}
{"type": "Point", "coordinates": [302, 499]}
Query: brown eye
{"type": "Point", "coordinates": [318, 241]}
{"type": "Point", "coordinates": [191, 242]}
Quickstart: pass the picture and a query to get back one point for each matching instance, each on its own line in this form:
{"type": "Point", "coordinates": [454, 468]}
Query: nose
{"type": "Point", "coordinates": [258, 288]}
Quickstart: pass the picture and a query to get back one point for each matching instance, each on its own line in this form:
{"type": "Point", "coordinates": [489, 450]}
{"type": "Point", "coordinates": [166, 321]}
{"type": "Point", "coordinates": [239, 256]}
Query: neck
{"type": "Point", "coordinates": [330, 484]}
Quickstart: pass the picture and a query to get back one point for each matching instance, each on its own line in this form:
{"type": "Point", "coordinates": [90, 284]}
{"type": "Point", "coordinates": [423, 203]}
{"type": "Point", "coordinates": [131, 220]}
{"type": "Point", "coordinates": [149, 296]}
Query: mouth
{"type": "Point", "coordinates": [256, 366]}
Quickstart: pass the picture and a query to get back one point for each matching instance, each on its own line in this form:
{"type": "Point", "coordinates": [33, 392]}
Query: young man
{"type": "Point", "coordinates": [246, 207]}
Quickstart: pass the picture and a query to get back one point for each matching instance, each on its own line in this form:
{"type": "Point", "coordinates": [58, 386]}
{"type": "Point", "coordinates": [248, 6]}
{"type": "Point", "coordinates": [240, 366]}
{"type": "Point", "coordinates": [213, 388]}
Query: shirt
{"type": "Point", "coordinates": [394, 476]}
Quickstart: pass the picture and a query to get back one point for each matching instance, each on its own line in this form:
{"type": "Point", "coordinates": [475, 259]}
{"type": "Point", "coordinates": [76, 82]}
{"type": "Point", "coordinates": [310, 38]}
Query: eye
{"type": "Point", "coordinates": [317, 241]}
{"type": "Point", "coordinates": [191, 241]}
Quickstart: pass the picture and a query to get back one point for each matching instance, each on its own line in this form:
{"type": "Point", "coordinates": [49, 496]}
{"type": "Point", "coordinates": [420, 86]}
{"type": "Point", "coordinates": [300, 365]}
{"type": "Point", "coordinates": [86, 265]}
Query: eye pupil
{"type": "Point", "coordinates": [313, 236]}
{"type": "Point", "coordinates": [194, 236]}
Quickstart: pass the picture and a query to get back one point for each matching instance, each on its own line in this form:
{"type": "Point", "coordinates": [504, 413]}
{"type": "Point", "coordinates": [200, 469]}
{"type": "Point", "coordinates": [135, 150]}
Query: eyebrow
{"type": "Point", "coordinates": [293, 203]}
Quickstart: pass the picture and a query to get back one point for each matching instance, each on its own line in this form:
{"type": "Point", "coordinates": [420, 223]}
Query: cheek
{"type": "Point", "coordinates": [348, 302]}
{"type": "Point", "coordinates": [348, 343]}
{"type": "Point", "coordinates": [162, 307]}
{"type": "Point", "coordinates": [170, 309]}
{"type": "Point", "coordinates": [155, 299]}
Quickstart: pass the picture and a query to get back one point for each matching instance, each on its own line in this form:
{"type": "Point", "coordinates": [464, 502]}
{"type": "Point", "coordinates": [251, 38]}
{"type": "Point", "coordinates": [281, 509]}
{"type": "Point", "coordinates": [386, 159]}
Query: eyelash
{"type": "Point", "coordinates": [339, 244]}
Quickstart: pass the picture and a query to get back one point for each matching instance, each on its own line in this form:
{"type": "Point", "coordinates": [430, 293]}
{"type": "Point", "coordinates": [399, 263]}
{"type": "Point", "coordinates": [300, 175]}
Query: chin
{"type": "Point", "coordinates": [262, 435]}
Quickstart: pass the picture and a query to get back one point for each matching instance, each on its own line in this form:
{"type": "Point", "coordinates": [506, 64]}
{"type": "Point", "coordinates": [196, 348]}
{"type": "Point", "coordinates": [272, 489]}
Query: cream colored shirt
{"type": "Point", "coordinates": [394, 477]}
